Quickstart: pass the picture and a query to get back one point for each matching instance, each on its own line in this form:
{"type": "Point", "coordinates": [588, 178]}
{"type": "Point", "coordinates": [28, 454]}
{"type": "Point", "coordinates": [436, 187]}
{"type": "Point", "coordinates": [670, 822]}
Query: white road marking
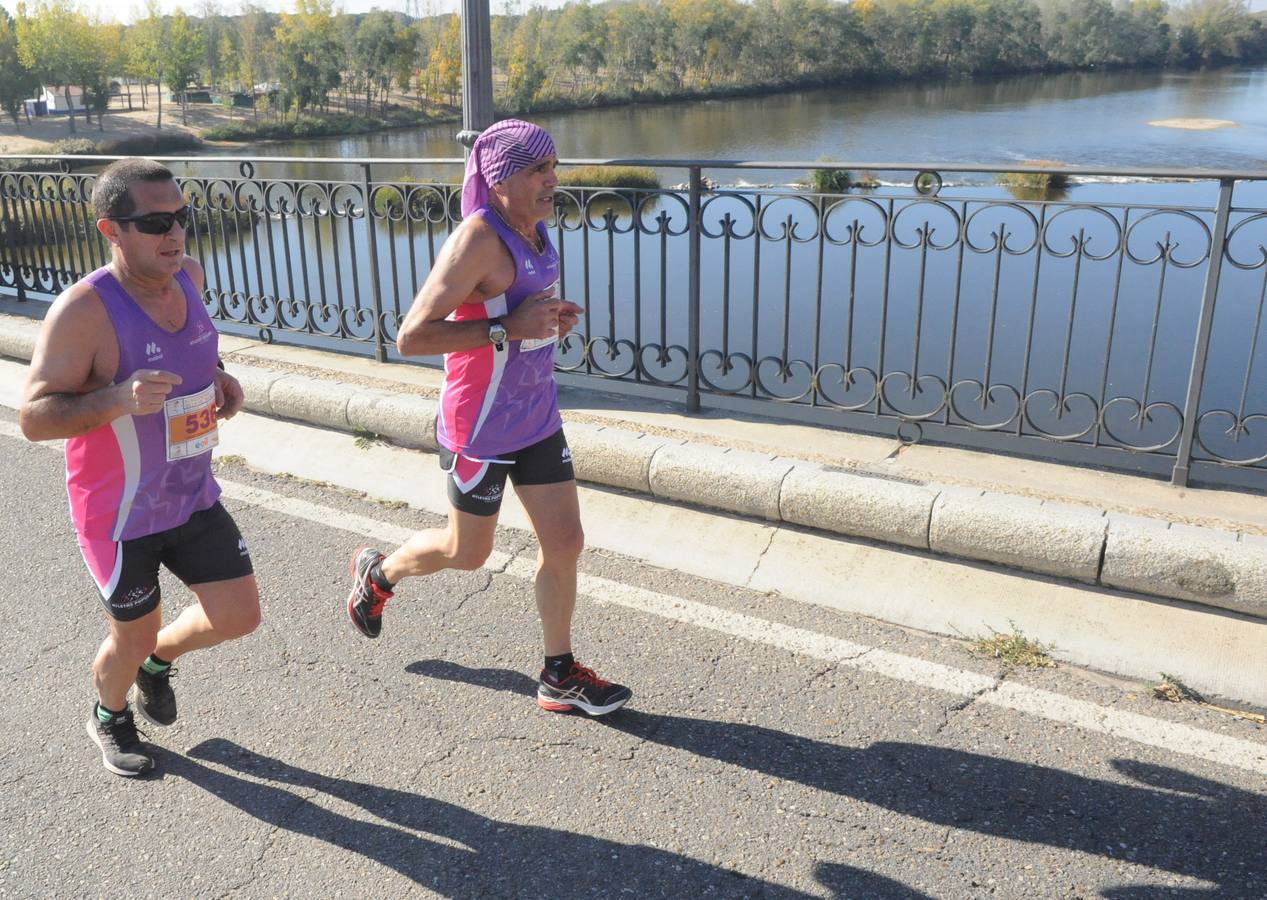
{"type": "Point", "coordinates": [1173, 737]}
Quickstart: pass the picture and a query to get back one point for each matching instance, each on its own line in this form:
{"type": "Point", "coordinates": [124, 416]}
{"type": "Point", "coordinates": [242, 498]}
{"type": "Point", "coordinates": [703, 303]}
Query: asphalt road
{"type": "Point", "coordinates": [309, 761]}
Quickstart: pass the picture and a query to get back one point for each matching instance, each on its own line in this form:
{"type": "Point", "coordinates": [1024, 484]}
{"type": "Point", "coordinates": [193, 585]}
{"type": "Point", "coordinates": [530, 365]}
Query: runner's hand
{"type": "Point", "coordinates": [536, 317]}
{"type": "Point", "coordinates": [569, 314]}
{"type": "Point", "coordinates": [146, 391]}
{"type": "Point", "coordinates": [229, 395]}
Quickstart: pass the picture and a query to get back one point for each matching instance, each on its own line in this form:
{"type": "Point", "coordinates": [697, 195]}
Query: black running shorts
{"type": "Point", "coordinates": [476, 486]}
{"type": "Point", "coordinates": [206, 548]}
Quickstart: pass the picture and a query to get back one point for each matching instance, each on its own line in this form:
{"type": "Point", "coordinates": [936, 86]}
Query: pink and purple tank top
{"type": "Point", "coordinates": [140, 475]}
{"type": "Point", "coordinates": [498, 401]}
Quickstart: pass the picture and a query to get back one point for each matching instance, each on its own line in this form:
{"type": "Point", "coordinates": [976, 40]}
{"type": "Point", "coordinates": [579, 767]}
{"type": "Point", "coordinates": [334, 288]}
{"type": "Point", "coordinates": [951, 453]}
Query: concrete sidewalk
{"type": "Point", "coordinates": [942, 521]}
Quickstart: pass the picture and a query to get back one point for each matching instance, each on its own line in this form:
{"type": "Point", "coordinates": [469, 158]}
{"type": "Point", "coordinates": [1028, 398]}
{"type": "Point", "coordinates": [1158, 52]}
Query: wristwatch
{"type": "Point", "coordinates": [497, 333]}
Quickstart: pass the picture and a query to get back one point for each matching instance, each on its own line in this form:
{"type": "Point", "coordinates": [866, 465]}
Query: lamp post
{"type": "Point", "coordinates": [477, 71]}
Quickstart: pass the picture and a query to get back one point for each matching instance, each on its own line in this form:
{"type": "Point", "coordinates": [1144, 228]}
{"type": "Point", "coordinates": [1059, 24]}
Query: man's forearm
{"type": "Point", "coordinates": [434, 338]}
{"type": "Point", "coordinates": [54, 416]}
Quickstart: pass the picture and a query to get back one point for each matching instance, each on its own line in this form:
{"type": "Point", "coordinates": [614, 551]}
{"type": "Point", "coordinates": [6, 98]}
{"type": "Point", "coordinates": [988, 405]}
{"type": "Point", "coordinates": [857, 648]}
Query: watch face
{"type": "Point", "coordinates": [497, 333]}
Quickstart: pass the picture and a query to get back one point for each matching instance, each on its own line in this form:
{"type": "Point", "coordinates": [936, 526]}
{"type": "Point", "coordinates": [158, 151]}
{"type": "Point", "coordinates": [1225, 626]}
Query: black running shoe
{"type": "Point", "coordinates": [366, 601]}
{"type": "Point", "coordinates": [121, 750]}
{"type": "Point", "coordinates": [582, 689]}
{"type": "Point", "coordinates": [154, 697]}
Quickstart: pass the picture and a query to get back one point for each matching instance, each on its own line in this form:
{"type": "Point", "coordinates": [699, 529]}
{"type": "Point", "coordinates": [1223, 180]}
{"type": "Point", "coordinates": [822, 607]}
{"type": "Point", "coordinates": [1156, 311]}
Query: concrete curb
{"type": "Point", "coordinates": [1019, 532]}
{"type": "Point", "coordinates": [1214, 568]}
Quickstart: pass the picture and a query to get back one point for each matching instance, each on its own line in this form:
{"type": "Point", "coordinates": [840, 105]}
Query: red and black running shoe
{"type": "Point", "coordinates": [366, 601]}
{"type": "Point", "coordinates": [582, 689]}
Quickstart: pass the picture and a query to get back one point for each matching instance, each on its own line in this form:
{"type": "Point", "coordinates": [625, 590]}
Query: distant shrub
{"type": "Point", "coordinates": [829, 181]}
{"type": "Point", "coordinates": [867, 179]}
{"type": "Point", "coordinates": [307, 127]}
{"type": "Point", "coordinates": [74, 147]}
{"type": "Point", "coordinates": [148, 144]}
{"type": "Point", "coordinates": [1035, 185]}
{"type": "Point", "coordinates": [610, 177]}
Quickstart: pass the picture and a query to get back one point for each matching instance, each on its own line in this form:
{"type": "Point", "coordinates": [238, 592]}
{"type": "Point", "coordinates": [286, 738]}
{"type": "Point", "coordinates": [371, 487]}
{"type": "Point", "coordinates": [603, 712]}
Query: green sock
{"type": "Point", "coordinates": [107, 716]}
{"type": "Point", "coordinates": [154, 665]}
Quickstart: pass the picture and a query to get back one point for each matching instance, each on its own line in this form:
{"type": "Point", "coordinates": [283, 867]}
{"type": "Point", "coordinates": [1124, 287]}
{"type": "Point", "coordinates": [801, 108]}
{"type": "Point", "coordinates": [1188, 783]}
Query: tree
{"type": "Point", "coordinates": [255, 39]}
{"type": "Point", "coordinates": [17, 82]}
{"type": "Point", "coordinates": [108, 57]}
{"type": "Point", "coordinates": [53, 43]}
{"type": "Point", "coordinates": [375, 48]}
{"type": "Point", "coordinates": [308, 53]}
{"type": "Point", "coordinates": [147, 51]}
{"type": "Point", "coordinates": [184, 58]}
{"type": "Point", "coordinates": [446, 60]}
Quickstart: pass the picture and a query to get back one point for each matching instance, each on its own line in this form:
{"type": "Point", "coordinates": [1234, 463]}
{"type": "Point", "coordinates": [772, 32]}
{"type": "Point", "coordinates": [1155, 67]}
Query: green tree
{"type": "Point", "coordinates": [17, 82]}
{"type": "Point", "coordinates": [309, 55]}
{"type": "Point", "coordinates": [53, 43]}
{"type": "Point", "coordinates": [375, 47]}
{"type": "Point", "coordinates": [184, 53]}
{"type": "Point", "coordinates": [147, 52]}
{"type": "Point", "coordinates": [255, 41]}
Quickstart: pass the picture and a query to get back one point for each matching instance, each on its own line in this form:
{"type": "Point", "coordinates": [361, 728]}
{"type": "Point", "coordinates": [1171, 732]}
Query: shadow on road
{"type": "Point", "coordinates": [459, 853]}
{"type": "Point", "coordinates": [1166, 819]}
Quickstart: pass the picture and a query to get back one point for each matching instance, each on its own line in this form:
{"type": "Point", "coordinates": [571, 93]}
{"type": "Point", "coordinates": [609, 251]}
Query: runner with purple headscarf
{"type": "Point", "coordinates": [489, 306]}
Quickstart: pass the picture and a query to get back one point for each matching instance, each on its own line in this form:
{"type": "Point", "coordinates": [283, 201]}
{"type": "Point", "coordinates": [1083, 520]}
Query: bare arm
{"type": "Point", "coordinates": [472, 265]}
{"type": "Point", "coordinates": [67, 392]}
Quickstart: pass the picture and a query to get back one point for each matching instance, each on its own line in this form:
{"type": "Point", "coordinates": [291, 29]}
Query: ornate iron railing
{"type": "Point", "coordinates": [1120, 324]}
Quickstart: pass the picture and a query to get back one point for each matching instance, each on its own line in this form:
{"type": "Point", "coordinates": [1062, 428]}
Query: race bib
{"type": "Point", "coordinates": [536, 343]}
{"type": "Point", "coordinates": [191, 424]}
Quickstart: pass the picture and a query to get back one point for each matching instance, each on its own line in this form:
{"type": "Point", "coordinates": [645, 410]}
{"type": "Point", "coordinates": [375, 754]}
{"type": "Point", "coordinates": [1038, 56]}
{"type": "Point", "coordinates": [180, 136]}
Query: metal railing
{"type": "Point", "coordinates": [1122, 328]}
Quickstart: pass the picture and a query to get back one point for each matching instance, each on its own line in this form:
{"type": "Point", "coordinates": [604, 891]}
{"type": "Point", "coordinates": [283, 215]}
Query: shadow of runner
{"type": "Point", "coordinates": [1170, 820]}
{"type": "Point", "coordinates": [497, 858]}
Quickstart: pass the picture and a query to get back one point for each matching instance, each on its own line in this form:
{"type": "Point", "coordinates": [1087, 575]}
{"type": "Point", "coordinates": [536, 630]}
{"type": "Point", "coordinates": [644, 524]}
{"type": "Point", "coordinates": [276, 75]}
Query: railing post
{"type": "Point", "coordinates": [1201, 348]}
{"type": "Point", "coordinates": [692, 333]}
{"type": "Point", "coordinates": [380, 350]}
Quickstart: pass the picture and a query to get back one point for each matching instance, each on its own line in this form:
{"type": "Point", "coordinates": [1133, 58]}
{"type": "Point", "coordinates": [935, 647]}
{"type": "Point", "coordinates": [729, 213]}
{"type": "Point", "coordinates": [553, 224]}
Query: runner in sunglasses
{"type": "Point", "coordinates": [126, 370]}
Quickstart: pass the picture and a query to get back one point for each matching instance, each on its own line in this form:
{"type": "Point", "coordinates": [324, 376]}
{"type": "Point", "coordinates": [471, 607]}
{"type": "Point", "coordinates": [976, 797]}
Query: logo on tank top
{"type": "Point", "coordinates": [153, 352]}
{"type": "Point", "coordinates": [203, 334]}
{"type": "Point", "coordinates": [529, 267]}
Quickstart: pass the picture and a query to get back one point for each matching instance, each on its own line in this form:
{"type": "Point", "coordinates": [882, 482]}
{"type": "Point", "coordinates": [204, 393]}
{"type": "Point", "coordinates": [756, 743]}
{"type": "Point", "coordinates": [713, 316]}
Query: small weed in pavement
{"type": "Point", "coordinates": [366, 438]}
{"type": "Point", "coordinates": [1172, 689]}
{"type": "Point", "coordinates": [1014, 650]}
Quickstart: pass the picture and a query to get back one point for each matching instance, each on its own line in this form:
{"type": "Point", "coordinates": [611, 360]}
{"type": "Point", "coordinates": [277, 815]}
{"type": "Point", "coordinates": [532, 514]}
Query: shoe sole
{"type": "Point", "coordinates": [135, 695]}
{"type": "Point", "coordinates": [92, 733]}
{"type": "Point", "coordinates": [352, 595]}
{"type": "Point", "coordinates": [569, 705]}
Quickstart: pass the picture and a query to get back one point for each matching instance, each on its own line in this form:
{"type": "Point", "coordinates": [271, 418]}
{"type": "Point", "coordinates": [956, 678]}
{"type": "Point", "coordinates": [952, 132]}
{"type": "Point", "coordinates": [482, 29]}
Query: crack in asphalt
{"type": "Point", "coordinates": [952, 711]}
{"type": "Point", "coordinates": [270, 838]}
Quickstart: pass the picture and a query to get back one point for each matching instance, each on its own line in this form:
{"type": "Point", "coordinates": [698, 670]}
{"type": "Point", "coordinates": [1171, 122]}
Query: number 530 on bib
{"type": "Point", "coordinates": [191, 424]}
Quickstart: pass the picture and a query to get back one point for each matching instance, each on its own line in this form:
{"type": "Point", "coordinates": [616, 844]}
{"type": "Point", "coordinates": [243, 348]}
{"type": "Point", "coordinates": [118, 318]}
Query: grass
{"type": "Point", "coordinates": [230, 459]}
{"type": "Point", "coordinates": [1014, 650]}
{"type": "Point", "coordinates": [610, 177]}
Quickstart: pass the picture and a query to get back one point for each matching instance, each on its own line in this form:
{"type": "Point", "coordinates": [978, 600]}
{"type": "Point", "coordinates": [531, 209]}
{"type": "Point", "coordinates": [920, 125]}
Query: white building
{"type": "Point", "coordinates": [55, 98]}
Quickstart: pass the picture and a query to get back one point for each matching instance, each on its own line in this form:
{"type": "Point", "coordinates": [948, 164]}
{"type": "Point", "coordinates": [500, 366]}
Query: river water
{"type": "Point", "coordinates": [1115, 327]}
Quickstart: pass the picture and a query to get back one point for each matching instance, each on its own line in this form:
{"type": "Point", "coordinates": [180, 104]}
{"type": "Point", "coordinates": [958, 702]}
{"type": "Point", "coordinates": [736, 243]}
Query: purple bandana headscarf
{"type": "Point", "coordinates": [500, 151]}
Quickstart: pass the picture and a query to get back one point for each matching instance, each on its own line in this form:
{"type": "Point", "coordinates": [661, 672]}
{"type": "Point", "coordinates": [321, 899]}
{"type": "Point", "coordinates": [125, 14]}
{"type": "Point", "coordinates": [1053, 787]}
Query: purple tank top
{"type": "Point", "coordinates": [140, 475]}
{"type": "Point", "coordinates": [498, 401]}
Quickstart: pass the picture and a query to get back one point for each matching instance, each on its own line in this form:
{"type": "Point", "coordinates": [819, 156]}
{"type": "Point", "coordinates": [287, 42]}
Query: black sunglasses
{"type": "Point", "coordinates": [156, 222]}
